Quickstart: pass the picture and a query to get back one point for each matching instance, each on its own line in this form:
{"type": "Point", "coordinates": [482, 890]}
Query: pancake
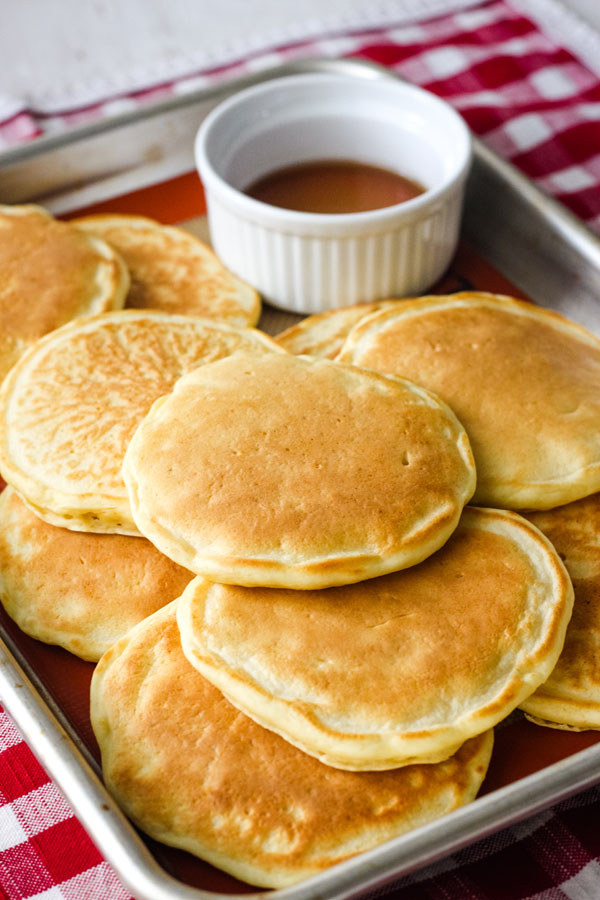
{"type": "Point", "coordinates": [570, 698]}
{"type": "Point", "coordinates": [173, 271]}
{"type": "Point", "coordinates": [323, 334]}
{"type": "Point", "coordinates": [72, 402]}
{"type": "Point", "coordinates": [521, 379]}
{"type": "Point", "coordinates": [295, 472]}
{"type": "Point", "coordinates": [79, 591]}
{"type": "Point", "coordinates": [396, 670]}
{"type": "Point", "coordinates": [244, 799]}
{"type": "Point", "coordinates": [50, 273]}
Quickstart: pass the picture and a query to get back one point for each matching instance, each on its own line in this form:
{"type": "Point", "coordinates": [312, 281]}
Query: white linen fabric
{"type": "Point", "coordinates": [60, 55]}
{"type": "Point", "coordinates": [63, 55]}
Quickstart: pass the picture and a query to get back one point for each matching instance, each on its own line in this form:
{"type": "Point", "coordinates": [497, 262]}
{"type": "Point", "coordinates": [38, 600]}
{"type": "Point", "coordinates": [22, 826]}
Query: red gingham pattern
{"type": "Point", "coordinates": [528, 99]}
{"type": "Point", "coordinates": [538, 106]}
{"type": "Point", "coordinates": [44, 851]}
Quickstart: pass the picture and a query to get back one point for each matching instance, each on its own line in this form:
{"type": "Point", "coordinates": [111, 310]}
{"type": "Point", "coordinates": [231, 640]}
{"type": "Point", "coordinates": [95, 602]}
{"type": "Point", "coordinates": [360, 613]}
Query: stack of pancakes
{"type": "Point", "coordinates": [273, 558]}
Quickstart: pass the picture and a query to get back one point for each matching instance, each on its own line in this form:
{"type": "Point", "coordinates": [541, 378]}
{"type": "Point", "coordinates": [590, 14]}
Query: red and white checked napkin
{"type": "Point", "coordinates": [44, 851]}
{"type": "Point", "coordinates": [532, 92]}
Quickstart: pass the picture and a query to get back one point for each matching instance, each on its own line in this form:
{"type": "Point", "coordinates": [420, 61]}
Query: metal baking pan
{"type": "Point", "coordinates": [536, 246]}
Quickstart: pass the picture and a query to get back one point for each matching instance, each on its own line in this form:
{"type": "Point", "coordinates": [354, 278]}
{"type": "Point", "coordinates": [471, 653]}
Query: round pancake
{"type": "Point", "coordinates": [570, 698]}
{"type": "Point", "coordinates": [50, 273]}
{"type": "Point", "coordinates": [521, 379]}
{"type": "Point", "coordinates": [396, 670]}
{"type": "Point", "coordinates": [172, 270]}
{"type": "Point", "coordinates": [80, 591]}
{"type": "Point", "coordinates": [245, 800]}
{"type": "Point", "coordinates": [323, 334]}
{"type": "Point", "coordinates": [295, 472]}
{"type": "Point", "coordinates": [70, 405]}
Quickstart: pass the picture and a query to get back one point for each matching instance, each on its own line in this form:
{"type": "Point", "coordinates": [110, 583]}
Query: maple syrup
{"type": "Point", "coordinates": [333, 186]}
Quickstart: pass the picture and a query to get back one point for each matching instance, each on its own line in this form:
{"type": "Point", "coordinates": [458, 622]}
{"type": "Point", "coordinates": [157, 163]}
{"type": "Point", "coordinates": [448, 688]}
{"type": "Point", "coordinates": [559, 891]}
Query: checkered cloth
{"type": "Point", "coordinates": [44, 851]}
{"type": "Point", "coordinates": [537, 105]}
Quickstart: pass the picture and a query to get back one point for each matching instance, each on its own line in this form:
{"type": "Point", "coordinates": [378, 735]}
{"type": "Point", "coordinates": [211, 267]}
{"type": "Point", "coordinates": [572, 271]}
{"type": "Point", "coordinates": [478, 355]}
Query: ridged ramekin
{"type": "Point", "coordinates": [309, 262]}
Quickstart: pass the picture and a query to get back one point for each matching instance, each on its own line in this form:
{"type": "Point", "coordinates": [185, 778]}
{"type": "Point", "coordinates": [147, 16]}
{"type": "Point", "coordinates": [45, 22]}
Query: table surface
{"type": "Point", "coordinates": [531, 96]}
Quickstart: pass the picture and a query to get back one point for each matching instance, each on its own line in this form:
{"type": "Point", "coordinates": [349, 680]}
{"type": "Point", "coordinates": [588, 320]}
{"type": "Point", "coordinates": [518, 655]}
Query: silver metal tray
{"type": "Point", "coordinates": [541, 248]}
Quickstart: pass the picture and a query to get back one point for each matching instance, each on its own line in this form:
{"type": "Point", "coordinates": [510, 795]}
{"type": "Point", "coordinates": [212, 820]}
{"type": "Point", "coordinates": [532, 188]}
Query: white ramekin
{"type": "Point", "coordinates": [308, 262]}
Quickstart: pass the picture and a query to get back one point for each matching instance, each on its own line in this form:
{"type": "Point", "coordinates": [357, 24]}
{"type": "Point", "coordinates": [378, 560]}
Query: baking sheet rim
{"type": "Point", "coordinates": [60, 750]}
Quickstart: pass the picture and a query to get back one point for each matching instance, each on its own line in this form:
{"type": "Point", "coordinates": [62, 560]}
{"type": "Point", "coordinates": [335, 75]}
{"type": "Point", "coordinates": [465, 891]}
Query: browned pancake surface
{"type": "Point", "coordinates": [80, 591]}
{"type": "Point", "coordinates": [244, 799]}
{"type": "Point", "coordinates": [570, 698]}
{"type": "Point", "coordinates": [173, 271]}
{"type": "Point", "coordinates": [70, 406]}
{"type": "Point", "coordinates": [50, 273]}
{"type": "Point", "coordinates": [521, 379]}
{"type": "Point", "coordinates": [323, 334]}
{"type": "Point", "coordinates": [297, 472]}
{"type": "Point", "coordinates": [397, 669]}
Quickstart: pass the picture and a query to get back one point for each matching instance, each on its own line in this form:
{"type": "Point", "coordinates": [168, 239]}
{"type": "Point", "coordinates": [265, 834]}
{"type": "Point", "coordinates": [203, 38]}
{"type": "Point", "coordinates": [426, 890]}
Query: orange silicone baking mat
{"type": "Point", "coordinates": [521, 748]}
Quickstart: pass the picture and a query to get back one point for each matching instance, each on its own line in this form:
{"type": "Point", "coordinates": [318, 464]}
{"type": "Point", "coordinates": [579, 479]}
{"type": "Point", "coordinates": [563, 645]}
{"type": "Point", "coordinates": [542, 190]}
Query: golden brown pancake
{"type": "Point", "coordinates": [244, 799]}
{"type": "Point", "coordinates": [173, 271]}
{"type": "Point", "coordinates": [570, 698]}
{"type": "Point", "coordinates": [50, 273]}
{"type": "Point", "coordinates": [80, 591]}
{"type": "Point", "coordinates": [521, 379]}
{"type": "Point", "coordinates": [395, 670]}
{"type": "Point", "coordinates": [295, 472]}
{"type": "Point", "coordinates": [323, 334]}
{"type": "Point", "coordinates": [72, 402]}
